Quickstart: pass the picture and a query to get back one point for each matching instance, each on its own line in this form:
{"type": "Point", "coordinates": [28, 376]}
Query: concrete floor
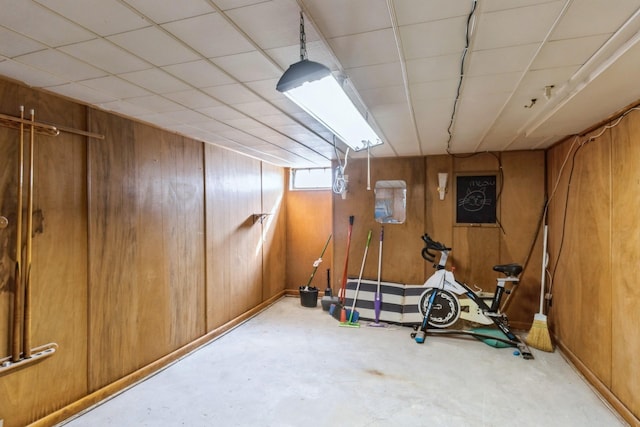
{"type": "Point", "coordinates": [292, 365]}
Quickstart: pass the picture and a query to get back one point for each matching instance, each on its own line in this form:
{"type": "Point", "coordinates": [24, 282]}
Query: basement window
{"type": "Point", "coordinates": [310, 179]}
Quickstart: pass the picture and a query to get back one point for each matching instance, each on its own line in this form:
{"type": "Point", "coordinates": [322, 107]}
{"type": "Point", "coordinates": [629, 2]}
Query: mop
{"type": "Point", "coordinates": [377, 302]}
{"type": "Point", "coordinates": [353, 323]}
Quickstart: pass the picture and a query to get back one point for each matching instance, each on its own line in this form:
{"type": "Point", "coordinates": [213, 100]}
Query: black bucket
{"type": "Point", "coordinates": [308, 296]}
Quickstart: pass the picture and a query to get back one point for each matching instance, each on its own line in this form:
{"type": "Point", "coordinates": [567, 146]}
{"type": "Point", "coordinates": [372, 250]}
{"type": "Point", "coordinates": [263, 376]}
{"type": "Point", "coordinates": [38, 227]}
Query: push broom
{"type": "Point", "coordinates": [351, 323]}
{"type": "Point", "coordinates": [538, 336]}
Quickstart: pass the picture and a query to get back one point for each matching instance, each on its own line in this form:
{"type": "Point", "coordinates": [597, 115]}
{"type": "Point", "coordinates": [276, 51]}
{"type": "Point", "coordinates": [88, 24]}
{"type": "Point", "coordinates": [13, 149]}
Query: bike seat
{"type": "Point", "coordinates": [511, 270]}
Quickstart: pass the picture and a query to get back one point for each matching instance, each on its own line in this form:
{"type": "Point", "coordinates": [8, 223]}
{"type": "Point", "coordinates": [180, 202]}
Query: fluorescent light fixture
{"type": "Point", "coordinates": [313, 88]}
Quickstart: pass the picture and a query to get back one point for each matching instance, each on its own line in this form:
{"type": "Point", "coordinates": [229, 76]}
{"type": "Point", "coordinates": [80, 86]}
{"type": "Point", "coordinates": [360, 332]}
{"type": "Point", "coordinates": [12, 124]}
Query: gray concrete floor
{"type": "Point", "coordinates": [292, 365]}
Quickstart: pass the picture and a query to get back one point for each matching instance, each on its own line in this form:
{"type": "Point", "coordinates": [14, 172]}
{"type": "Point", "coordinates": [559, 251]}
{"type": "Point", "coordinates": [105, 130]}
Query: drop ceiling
{"type": "Point", "coordinates": [432, 76]}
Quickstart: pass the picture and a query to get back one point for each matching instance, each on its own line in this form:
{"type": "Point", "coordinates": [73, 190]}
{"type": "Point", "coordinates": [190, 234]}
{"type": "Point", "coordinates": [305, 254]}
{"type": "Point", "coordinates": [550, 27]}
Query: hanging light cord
{"type": "Point", "coordinates": [462, 63]}
{"type": "Point", "coordinates": [303, 39]}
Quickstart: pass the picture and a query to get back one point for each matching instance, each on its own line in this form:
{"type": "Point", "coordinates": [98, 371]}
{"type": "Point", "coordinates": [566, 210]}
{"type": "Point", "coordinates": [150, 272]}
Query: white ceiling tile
{"type": "Point", "coordinates": [257, 109]}
{"type": "Point", "coordinates": [379, 75]}
{"type": "Point", "coordinates": [116, 87]}
{"type": "Point", "coordinates": [502, 60]}
{"type": "Point", "coordinates": [234, 4]}
{"type": "Point", "coordinates": [155, 103]}
{"type": "Point", "coordinates": [495, 5]}
{"type": "Point", "coordinates": [249, 66]}
{"type": "Point", "coordinates": [434, 90]}
{"type": "Point", "coordinates": [277, 120]}
{"type": "Point", "coordinates": [211, 125]}
{"type": "Point", "coordinates": [491, 27]}
{"type": "Point", "coordinates": [384, 95]}
{"type": "Point", "coordinates": [29, 75]}
{"type": "Point", "coordinates": [433, 69]}
{"type": "Point", "coordinates": [155, 80]}
{"type": "Point", "coordinates": [272, 24]}
{"type": "Point", "coordinates": [266, 89]}
{"type": "Point", "coordinates": [155, 46]}
{"type": "Point", "coordinates": [36, 22]}
{"type": "Point", "coordinates": [413, 12]}
{"type": "Point", "coordinates": [435, 38]}
{"type": "Point", "coordinates": [160, 120]}
{"type": "Point", "coordinates": [125, 108]}
{"type": "Point", "coordinates": [199, 73]}
{"type": "Point", "coordinates": [82, 93]}
{"type": "Point", "coordinates": [244, 123]}
{"type": "Point", "coordinates": [221, 113]}
{"type": "Point", "coordinates": [568, 51]}
{"type": "Point", "coordinates": [589, 17]}
{"type": "Point", "coordinates": [61, 64]}
{"type": "Point", "coordinates": [106, 56]}
{"type": "Point", "coordinates": [185, 116]}
{"type": "Point", "coordinates": [362, 16]}
{"type": "Point", "coordinates": [534, 81]}
{"type": "Point", "coordinates": [232, 94]}
{"type": "Point", "coordinates": [192, 99]}
{"type": "Point", "coordinates": [489, 84]}
{"type": "Point", "coordinates": [375, 47]}
{"type": "Point", "coordinates": [204, 33]}
{"type": "Point", "coordinates": [167, 11]}
{"type": "Point", "coordinates": [104, 17]}
{"type": "Point", "coordinates": [316, 51]}
{"type": "Point", "coordinates": [13, 44]}
{"type": "Point", "coordinates": [400, 132]}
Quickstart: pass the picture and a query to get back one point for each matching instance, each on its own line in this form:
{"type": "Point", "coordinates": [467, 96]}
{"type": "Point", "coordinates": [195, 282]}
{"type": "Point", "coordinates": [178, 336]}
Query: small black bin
{"type": "Point", "coordinates": [308, 296]}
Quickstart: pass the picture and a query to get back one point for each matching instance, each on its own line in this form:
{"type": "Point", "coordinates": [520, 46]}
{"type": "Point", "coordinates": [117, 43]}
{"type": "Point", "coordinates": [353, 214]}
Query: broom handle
{"type": "Point", "coordinates": [544, 267]}
{"type": "Point", "coordinates": [313, 273]}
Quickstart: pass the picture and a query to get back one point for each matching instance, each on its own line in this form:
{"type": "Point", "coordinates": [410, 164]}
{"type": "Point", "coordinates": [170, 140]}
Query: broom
{"type": "Point", "coordinates": [538, 336]}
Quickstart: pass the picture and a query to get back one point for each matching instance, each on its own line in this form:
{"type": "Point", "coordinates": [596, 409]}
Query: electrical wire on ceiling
{"type": "Point", "coordinates": [468, 31]}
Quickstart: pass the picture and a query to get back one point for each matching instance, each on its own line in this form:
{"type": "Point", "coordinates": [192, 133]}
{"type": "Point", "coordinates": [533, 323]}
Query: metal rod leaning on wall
{"type": "Point", "coordinates": [16, 344]}
{"type": "Point", "coordinates": [26, 328]}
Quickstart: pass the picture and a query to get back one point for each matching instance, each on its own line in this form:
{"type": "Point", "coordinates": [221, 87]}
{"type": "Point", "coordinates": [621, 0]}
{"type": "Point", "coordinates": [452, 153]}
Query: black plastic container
{"type": "Point", "coordinates": [308, 296]}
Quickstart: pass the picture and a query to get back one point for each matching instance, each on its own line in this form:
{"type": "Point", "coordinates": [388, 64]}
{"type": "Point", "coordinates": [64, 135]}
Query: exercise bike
{"type": "Point", "coordinates": [443, 302]}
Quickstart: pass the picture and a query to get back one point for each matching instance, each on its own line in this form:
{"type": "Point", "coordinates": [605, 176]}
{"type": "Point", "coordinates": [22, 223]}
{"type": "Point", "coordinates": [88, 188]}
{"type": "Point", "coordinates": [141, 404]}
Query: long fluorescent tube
{"type": "Point", "coordinates": [314, 89]}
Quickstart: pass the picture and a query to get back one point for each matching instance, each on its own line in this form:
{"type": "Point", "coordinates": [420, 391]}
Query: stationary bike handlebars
{"type": "Point", "coordinates": [429, 243]}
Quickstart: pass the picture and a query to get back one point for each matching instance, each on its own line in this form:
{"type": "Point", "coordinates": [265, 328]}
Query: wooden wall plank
{"type": "Point", "coordinates": [308, 226]}
{"type": "Point", "coordinates": [273, 231]}
{"type": "Point", "coordinates": [234, 252]}
{"type": "Point", "coordinates": [401, 260]}
{"type": "Point", "coordinates": [59, 258]}
{"type": "Point", "coordinates": [625, 252]}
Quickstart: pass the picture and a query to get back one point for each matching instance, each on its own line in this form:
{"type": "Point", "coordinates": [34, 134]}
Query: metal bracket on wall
{"type": "Point", "coordinates": [44, 128]}
{"type": "Point", "coordinates": [260, 217]}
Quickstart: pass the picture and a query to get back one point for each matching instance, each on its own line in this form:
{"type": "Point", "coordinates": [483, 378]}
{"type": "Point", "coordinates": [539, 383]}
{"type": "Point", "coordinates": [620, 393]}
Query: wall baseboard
{"type": "Point", "coordinates": [601, 388]}
{"type": "Point", "coordinates": [111, 390]}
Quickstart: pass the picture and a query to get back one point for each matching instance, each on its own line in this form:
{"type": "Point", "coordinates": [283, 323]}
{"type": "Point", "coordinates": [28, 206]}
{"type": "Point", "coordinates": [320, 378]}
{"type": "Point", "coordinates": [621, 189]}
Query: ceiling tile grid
{"type": "Point", "coordinates": [208, 68]}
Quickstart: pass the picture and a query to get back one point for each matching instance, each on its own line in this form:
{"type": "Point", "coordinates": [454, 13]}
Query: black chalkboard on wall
{"type": "Point", "coordinates": [476, 199]}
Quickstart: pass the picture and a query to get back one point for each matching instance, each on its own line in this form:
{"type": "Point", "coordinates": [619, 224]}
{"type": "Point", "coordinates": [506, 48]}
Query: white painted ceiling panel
{"type": "Point", "coordinates": [34, 21]}
{"type": "Point", "coordinates": [248, 67]}
{"type": "Point", "coordinates": [106, 56]}
{"type": "Point", "coordinates": [202, 32]}
{"type": "Point", "coordinates": [155, 80]}
{"type": "Point", "coordinates": [155, 46]}
{"type": "Point", "coordinates": [104, 17]}
{"type": "Point", "coordinates": [161, 12]}
{"type": "Point", "coordinates": [189, 66]}
{"type": "Point", "coordinates": [61, 64]}
{"type": "Point", "coordinates": [522, 30]}
{"type": "Point", "coordinates": [13, 44]}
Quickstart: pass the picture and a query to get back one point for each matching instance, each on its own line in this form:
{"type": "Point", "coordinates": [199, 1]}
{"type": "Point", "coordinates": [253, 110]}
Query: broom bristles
{"type": "Point", "coordinates": [539, 337]}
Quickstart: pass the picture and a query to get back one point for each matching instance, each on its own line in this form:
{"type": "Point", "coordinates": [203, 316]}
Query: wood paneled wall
{"type": "Point", "coordinates": [522, 195]}
{"type": "Point", "coordinates": [309, 225]}
{"type": "Point", "coordinates": [148, 248]}
{"type": "Point", "coordinates": [594, 245]}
